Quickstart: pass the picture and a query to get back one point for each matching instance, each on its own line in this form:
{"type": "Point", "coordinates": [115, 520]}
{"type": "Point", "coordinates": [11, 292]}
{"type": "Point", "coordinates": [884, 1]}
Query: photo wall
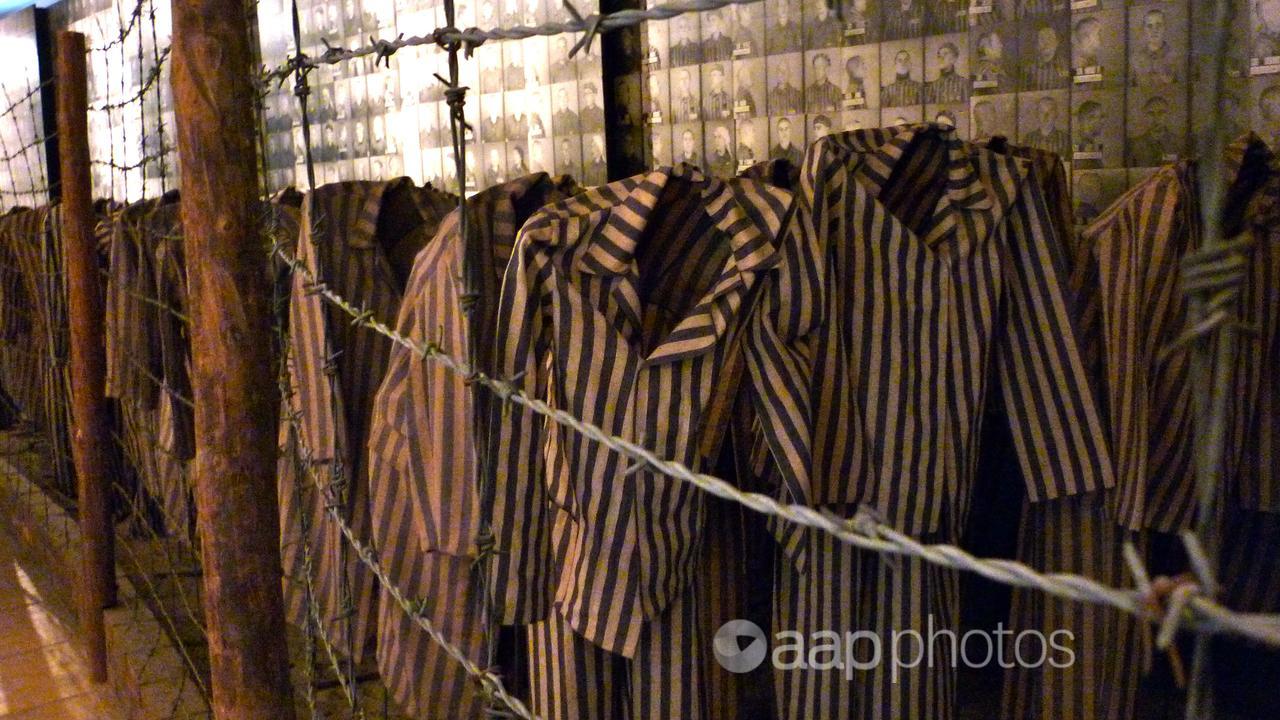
{"type": "Point", "coordinates": [1109, 85]}
{"type": "Point", "coordinates": [23, 173]}
{"type": "Point", "coordinates": [529, 106]}
{"type": "Point", "coordinates": [132, 143]}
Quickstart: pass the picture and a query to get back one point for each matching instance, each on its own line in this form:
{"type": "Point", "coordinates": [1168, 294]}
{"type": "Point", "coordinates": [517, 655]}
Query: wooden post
{"type": "Point", "coordinates": [233, 382]}
{"type": "Point", "coordinates": [90, 439]}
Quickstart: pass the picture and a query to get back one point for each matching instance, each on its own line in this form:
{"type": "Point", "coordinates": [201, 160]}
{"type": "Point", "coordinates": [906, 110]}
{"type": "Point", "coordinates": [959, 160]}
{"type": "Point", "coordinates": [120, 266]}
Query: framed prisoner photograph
{"type": "Point", "coordinates": [822, 29]}
{"type": "Point", "coordinates": [903, 19]}
{"type": "Point", "coordinates": [493, 123]}
{"type": "Point", "coordinates": [947, 16]}
{"type": "Point", "coordinates": [786, 138]}
{"type": "Point", "coordinates": [946, 69]}
{"type": "Point", "coordinates": [901, 74]}
{"type": "Point", "coordinates": [1097, 130]}
{"type": "Point", "coordinates": [1043, 121]}
{"type": "Point", "coordinates": [660, 150]}
{"type": "Point", "coordinates": [1235, 108]}
{"type": "Point", "coordinates": [590, 107]}
{"type": "Point", "coordinates": [717, 41]}
{"type": "Point", "coordinates": [784, 77]}
{"type": "Point", "coordinates": [564, 109]}
{"type": "Point", "coordinates": [686, 40]}
{"type": "Point", "coordinates": [861, 81]}
{"type": "Point", "coordinates": [568, 155]}
{"type": "Point", "coordinates": [654, 45]}
{"type": "Point", "coordinates": [1046, 53]}
{"type": "Point", "coordinates": [721, 158]}
{"type": "Point", "coordinates": [821, 93]}
{"type": "Point", "coordinates": [1097, 53]}
{"type": "Point", "coordinates": [752, 134]}
{"type": "Point", "coordinates": [783, 18]}
{"type": "Point", "coordinates": [686, 95]}
{"type": "Point", "coordinates": [747, 30]}
{"type": "Point", "coordinates": [748, 88]}
{"type": "Point", "coordinates": [656, 97]}
{"type": "Point", "coordinates": [688, 143]}
{"type": "Point", "coordinates": [861, 22]}
{"type": "Point", "coordinates": [994, 54]}
{"type": "Point", "coordinates": [1156, 128]}
{"type": "Point", "coordinates": [1158, 45]}
{"type": "Point", "coordinates": [540, 155]}
{"type": "Point", "coordinates": [717, 91]}
{"type": "Point", "coordinates": [993, 115]}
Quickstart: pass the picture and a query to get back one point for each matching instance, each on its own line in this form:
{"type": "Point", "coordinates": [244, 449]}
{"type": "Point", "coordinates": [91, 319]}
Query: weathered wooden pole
{"type": "Point", "coordinates": [232, 379]}
{"type": "Point", "coordinates": [90, 440]}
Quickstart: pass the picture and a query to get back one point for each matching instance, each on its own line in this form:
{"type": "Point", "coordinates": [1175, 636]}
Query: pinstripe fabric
{"type": "Point", "coordinates": [626, 304]}
{"type": "Point", "coordinates": [421, 455]}
{"type": "Point", "coordinates": [944, 266]}
{"type": "Point", "coordinates": [350, 231]}
{"type": "Point", "coordinates": [1076, 535]}
{"type": "Point", "coordinates": [19, 236]}
{"type": "Point", "coordinates": [1136, 246]}
{"type": "Point", "coordinates": [1251, 570]}
{"type": "Point", "coordinates": [133, 343]}
{"type": "Point", "coordinates": [973, 279]}
{"type": "Point", "coordinates": [1253, 455]}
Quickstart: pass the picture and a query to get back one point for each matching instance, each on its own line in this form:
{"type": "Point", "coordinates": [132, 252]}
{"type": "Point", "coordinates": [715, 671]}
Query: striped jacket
{"type": "Point", "coordinates": [607, 326]}
{"type": "Point", "coordinates": [356, 238]}
{"type": "Point", "coordinates": [1136, 246]}
{"type": "Point", "coordinates": [920, 403]}
{"type": "Point", "coordinates": [942, 263]}
{"type": "Point", "coordinates": [1252, 468]}
{"type": "Point", "coordinates": [422, 453]}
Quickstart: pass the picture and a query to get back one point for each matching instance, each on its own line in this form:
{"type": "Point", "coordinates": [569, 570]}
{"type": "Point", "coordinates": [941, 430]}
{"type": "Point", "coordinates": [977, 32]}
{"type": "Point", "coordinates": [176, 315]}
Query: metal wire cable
{"type": "Point", "coordinates": [862, 531]}
{"type": "Point", "coordinates": [471, 38]}
{"type": "Point", "coordinates": [153, 76]}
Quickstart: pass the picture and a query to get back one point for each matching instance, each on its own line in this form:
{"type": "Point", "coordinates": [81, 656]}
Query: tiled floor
{"type": "Point", "coordinates": [42, 676]}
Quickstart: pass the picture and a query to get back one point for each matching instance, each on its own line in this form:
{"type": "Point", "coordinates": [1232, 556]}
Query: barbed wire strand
{"type": "Point", "coordinates": [591, 25]}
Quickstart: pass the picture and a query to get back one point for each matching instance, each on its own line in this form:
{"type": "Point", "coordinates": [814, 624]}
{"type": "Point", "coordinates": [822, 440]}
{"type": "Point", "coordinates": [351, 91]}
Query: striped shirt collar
{"type": "Point", "coordinates": [363, 230]}
{"type": "Point", "coordinates": [614, 218]}
{"type": "Point", "coordinates": [873, 154]}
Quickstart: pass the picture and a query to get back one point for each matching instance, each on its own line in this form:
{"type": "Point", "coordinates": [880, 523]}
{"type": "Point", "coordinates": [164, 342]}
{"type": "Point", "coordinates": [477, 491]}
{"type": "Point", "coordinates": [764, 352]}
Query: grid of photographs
{"type": "Point", "coordinates": [133, 145]}
{"type": "Point", "coordinates": [23, 175]}
{"type": "Point", "coordinates": [1109, 85]}
{"type": "Point", "coordinates": [529, 106]}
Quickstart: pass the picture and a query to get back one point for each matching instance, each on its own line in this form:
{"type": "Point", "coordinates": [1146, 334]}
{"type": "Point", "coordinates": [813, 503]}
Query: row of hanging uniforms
{"type": "Point", "coordinates": [833, 342]}
{"type": "Point", "coordinates": [34, 362]}
{"type": "Point", "coordinates": [148, 353]}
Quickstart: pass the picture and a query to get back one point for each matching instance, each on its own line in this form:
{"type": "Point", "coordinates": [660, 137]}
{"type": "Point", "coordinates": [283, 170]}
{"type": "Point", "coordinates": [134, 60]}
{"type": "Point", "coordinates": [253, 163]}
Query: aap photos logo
{"type": "Point", "coordinates": [740, 646]}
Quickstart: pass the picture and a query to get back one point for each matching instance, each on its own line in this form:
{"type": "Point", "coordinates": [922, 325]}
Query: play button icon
{"type": "Point", "coordinates": [740, 646]}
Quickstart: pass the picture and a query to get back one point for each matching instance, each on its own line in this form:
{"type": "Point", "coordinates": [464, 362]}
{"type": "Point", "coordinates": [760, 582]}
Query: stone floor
{"type": "Point", "coordinates": [42, 673]}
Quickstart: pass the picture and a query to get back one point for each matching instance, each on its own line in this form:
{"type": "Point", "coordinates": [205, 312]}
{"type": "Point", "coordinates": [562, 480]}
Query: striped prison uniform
{"type": "Point", "coordinates": [1072, 535]}
{"type": "Point", "coordinates": [357, 238]}
{"type": "Point", "coordinates": [422, 454]}
{"type": "Point", "coordinates": [948, 254]}
{"type": "Point", "coordinates": [1251, 521]}
{"type": "Point", "coordinates": [629, 306]}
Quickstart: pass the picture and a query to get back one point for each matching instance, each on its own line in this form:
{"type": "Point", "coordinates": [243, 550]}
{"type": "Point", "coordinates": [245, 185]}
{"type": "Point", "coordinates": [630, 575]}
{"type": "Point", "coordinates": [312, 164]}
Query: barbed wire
{"type": "Point", "coordinates": [14, 104]}
{"type": "Point", "coordinates": [125, 32]}
{"type": "Point", "coordinates": [490, 683]}
{"type": "Point", "coordinates": [863, 531]}
{"type": "Point", "coordinates": [35, 142]}
{"type": "Point", "coordinates": [153, 75]}
{"type": "Point", "coordinates": [591, 25]}
{"type": "Point", "coordinates": [137, 165]}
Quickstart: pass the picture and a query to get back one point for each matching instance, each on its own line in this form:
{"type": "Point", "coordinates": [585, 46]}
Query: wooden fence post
{"type": "Point", "coordinates": [233, 382]}
{"type": "Point", "coordinates": [90, 440]}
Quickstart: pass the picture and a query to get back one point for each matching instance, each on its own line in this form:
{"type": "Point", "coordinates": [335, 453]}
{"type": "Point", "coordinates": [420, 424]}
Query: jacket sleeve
{"type": "Point", "coordinates": [780, 361]}
{"type": "Point", "coordinates": [520, 517]}
{"type": "Point", "coordinates": [1053, 415]}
